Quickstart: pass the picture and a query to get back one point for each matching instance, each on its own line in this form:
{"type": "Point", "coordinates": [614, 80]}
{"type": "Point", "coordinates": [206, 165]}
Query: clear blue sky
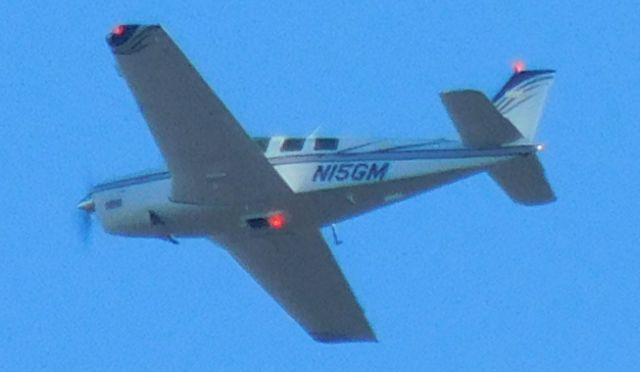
{"type": "Point", "coordinates": [456, 279]}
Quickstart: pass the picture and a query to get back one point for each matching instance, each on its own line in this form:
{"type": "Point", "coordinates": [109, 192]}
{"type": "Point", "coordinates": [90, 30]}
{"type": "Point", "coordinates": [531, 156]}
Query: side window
{"type": "Point", "coordinates": [326, 144]}
{"type": "Point", "coordinates": [292, 144]}
{"type": "Point", "coordinates": [262, 142]}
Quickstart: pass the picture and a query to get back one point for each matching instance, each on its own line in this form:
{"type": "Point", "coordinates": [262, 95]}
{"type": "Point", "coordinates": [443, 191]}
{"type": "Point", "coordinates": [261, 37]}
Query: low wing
{"type": "Point", "coordinates": [299, 271]}
{"type": "Point", "coordinates": [211, 158]}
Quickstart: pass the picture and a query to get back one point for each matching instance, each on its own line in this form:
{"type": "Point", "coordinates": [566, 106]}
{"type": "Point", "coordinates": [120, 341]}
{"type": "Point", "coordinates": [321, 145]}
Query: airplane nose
{"type": "Point", "coordinates": [87, 204]}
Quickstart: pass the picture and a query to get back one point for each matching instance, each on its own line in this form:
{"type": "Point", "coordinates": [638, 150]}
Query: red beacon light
{"type": "Point", "coordinates": [119, 30]}
{"type": "Point", "coordinates": [277, 221]}
{"type": "Point", "coordinates": [518, 66]}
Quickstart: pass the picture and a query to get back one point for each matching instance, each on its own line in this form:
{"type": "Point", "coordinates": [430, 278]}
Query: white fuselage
{"type": "Point", "coordinates": [332, 179]}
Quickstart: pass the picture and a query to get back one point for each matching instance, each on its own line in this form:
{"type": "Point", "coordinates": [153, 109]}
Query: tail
{"type": "Point", "coordinates": [521, 100]}
{"type": "Point", "coordinates": [510, 119]}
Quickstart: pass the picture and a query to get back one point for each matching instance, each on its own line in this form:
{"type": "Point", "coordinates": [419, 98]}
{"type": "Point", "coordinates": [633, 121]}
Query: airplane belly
{"type": "Point", "coordinates": [313, 176]}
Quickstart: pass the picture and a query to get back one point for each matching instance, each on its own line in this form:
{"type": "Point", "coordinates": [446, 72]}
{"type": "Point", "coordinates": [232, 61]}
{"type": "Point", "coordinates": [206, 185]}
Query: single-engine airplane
{"type": "Point", "coordinates": [265, 199]}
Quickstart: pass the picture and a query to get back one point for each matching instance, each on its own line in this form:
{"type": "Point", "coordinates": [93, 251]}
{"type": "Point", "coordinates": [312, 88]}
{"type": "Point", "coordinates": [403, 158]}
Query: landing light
{"type": "Point", "coordinates": [540, 147]}
{"type": "Point", "coordinates": [277, 221]}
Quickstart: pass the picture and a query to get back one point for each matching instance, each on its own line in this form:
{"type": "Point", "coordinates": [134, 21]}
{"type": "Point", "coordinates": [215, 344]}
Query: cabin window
{"type": "Point", "coordinates": [262, 142]}
{"type": "Point", "coordinates": [326, 144]}
{"type": "Point", "coordinates": [292, 144]}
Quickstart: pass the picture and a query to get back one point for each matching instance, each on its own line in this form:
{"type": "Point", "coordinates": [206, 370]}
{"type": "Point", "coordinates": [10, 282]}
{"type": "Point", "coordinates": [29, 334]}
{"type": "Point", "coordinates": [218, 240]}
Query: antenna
{"type": "Point", "coordinates": [335, 234]}
{"type": "Point", "coordinates": [315, 132]}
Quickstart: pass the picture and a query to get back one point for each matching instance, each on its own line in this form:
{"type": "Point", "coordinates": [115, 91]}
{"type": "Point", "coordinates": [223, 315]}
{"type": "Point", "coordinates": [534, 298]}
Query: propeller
{"type": "Point", "coordinates": [86, 207]}
{"type": "Point", "coordinates": [83, 214]}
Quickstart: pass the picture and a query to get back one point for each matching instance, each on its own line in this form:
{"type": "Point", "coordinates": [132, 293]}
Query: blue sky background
{"type": "Point", "coordinates": [456, 279]}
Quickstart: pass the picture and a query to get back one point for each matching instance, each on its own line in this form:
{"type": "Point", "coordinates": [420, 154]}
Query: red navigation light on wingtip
{"type": "Point", "coordinates": [277, 221]}
{"type": "Point", "coordinates": [119, 30]}
{"type": "Point", "coordinates": [518, 66]}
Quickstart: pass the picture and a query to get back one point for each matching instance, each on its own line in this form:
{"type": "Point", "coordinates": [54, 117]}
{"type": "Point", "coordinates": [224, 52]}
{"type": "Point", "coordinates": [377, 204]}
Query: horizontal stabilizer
{"type": "Point", "coordinates": [523, 179]}
{"type": "Point", "coordinates": [477, 120]}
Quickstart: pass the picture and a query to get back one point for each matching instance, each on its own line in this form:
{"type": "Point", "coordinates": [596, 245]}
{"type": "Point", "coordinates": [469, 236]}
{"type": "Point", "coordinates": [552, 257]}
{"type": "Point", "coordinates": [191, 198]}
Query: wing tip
{"type": "Point", "coordinates": [121, 34]}
{"type": "Point", "coordinates": [537, 202]}
{"type": "Point", "coordinates": [337, 338]}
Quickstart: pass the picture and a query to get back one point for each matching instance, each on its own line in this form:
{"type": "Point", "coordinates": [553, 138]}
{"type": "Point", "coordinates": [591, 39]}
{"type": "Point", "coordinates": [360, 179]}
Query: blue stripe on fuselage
{"type": "Point", "coordinates": [353, 158]}
{"type": "Point", "coordinates": [403, 155]}
{"type": "Point", "coordinates": [131, 181]}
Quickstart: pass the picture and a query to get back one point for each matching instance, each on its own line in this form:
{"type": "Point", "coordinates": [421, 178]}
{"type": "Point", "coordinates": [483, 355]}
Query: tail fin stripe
{"type": "Point", "coordinates": [514, 102]}
{"type": "Point", "coordinates": [521, 77]}
{"type": "Point", "coordinates": [531, 87]}
{"type": "Point", "coordinates": [526, 87]}
{"type": "Point", "coordinates": [535, 80]}
{"type": "Point", "coordinates": [521, 100]}
{"type": "Point", "coordinates": [506, 110]}
{"type": "Point", "coordinates": [504, 103]}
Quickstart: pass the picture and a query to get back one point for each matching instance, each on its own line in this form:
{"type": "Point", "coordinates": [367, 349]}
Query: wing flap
{"type": "Point", "coordinates": [298, 270]}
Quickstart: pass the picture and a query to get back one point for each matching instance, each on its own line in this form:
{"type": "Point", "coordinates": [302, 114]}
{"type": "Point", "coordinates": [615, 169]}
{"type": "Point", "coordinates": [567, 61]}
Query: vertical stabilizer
{"type": "Point", "coordinates": [522, 99]}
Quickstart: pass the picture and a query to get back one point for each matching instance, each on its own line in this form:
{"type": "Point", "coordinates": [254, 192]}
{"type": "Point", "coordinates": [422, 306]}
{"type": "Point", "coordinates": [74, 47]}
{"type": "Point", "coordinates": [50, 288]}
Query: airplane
{"type": "Point", "coordinates": [265, 200]}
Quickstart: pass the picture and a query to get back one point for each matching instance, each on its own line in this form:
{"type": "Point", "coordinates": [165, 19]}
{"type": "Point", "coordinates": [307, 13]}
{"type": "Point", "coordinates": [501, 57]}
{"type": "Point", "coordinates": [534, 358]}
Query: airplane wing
{"type": "Point", "coordinates": [210, 157]}
{"type": "Point", "coordinates": [299, 271]}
